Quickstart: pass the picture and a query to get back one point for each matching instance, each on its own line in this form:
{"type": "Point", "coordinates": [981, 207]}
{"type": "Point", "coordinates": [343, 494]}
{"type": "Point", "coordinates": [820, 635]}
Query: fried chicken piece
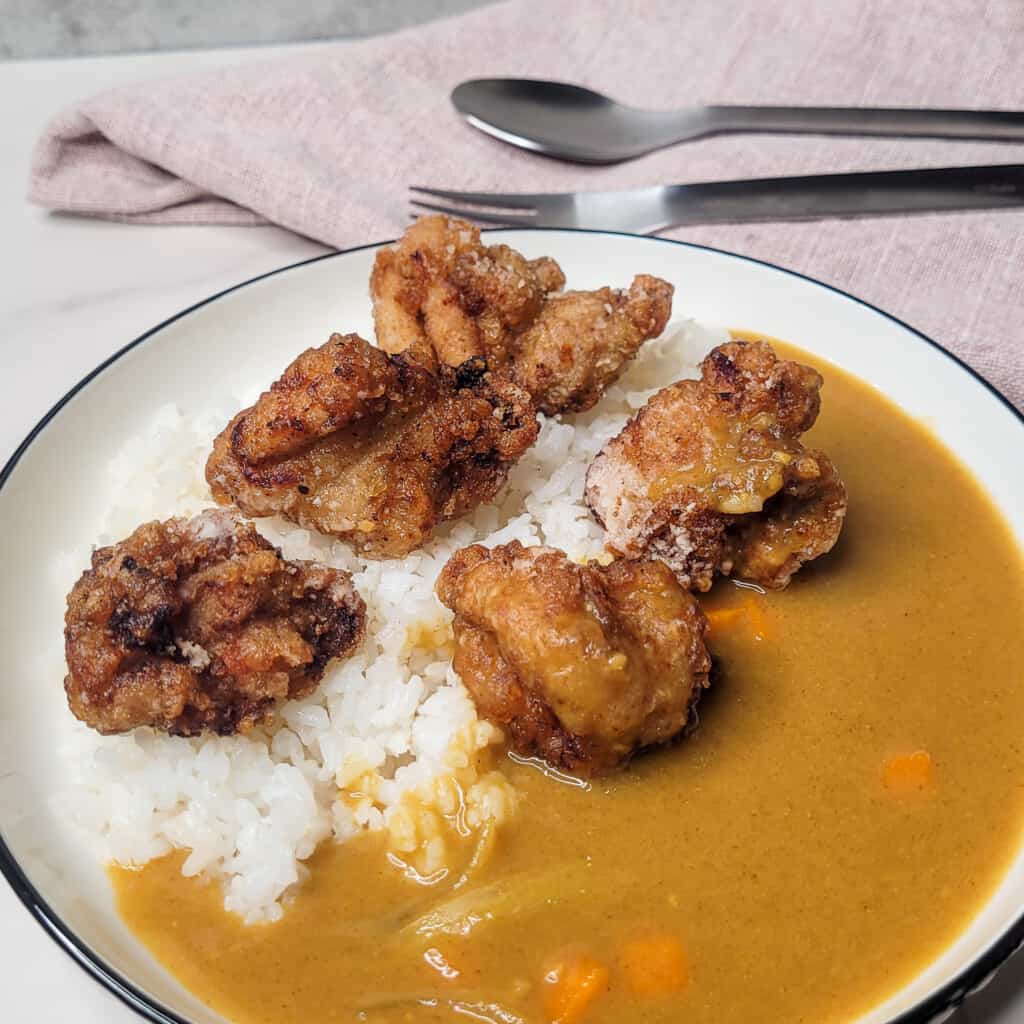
{"type": "Point", "coordinates": [194, 625]}
{"type": "Point", "coordinates": [445, 297]}
{"type": "Point", "coordinates": [710, 476]}
{"type": "Point", "coordinates": [582, 665]}
{"type": "Point", "coordinates": [581, 342]}
{"type": "Point", "coordinates": [372, 448]}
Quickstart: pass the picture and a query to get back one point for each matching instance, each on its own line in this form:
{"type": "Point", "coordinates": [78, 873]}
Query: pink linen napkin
{"type": "Point", "coordinates": [326, 143]}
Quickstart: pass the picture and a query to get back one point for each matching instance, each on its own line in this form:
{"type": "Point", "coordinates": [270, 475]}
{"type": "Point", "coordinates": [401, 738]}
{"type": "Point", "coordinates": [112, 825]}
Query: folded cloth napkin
{"type": "Point", "coordinates": [327, 142]}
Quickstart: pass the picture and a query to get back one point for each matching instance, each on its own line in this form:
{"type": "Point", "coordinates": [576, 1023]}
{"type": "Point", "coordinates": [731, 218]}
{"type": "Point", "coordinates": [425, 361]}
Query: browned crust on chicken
{"type": "Point", "coordinates": [582, 341]}
{"type": "Point", "coordinates": [326, 387]}
{"type": "Point", "coordinates": [372, 448]}
{"type": "Point", "coordinates": [195, 625]}
{"type": "Point", "coordinates": [443, 296]}
{"type": "Point", "coordinates": [710, 476]}
{"type": "Point", "coordinates": [802, 522]}
{"type": "Point", "coordinates": [582, 665]}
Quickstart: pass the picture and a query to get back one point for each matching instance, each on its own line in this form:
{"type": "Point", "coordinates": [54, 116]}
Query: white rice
{"type": "Point", "coordinates": [389, 741]}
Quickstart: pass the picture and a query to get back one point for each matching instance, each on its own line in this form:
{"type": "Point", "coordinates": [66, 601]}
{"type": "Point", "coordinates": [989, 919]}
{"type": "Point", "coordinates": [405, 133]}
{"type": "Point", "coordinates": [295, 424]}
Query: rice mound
{"type": "Point", "coordinates": [390, 740]}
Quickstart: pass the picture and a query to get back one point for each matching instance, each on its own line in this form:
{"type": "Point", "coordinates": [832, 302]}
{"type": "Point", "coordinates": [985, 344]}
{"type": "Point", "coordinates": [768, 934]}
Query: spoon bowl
{"type": "Point", "coordinates": [574, 123]}
{"type": "Point", "coordinates": [571, 122]}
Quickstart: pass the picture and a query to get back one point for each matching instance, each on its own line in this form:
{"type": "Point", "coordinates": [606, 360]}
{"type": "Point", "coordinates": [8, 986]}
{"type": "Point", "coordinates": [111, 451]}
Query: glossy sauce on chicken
{"type": "Point", "coordinates": [581, 665]}
{"type": "Point", "coordinates": [852, 796]}
{"type": "Point", "coordinates": [710, 476]}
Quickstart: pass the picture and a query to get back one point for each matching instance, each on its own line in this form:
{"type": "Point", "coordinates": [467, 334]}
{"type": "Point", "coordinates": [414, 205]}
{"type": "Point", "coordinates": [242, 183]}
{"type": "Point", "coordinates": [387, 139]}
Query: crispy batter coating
{"type": "Point", "coordinates": [199, 624]}
{"type": "Point", "coordinates": [582, 665]}
{"type": "Point", "coordinates": [581, 342]}
{"type": "Point", "coordinates": [710, 476]}
{"type": "Point", "coordinates": [372, 448]}
{"type": "Point", "coordinates": [445, 297]}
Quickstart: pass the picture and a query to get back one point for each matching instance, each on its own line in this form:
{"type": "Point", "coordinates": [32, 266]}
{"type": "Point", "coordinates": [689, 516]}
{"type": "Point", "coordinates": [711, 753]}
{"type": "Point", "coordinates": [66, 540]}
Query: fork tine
{"type": "Point", "coordinates": [501, 200]}
{"type": "Point", "coordinates": [485, 218]}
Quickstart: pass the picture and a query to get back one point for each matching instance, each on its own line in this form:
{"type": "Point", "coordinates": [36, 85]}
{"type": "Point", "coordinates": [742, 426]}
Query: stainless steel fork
{"type": "Point", "coordinates": [646, 210]}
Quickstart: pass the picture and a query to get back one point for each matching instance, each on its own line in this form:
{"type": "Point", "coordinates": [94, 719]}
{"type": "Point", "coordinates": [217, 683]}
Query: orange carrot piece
{"type": "Point", "coordinates": [751, 610]}
{"type": "Point", "coordinates": [908, 773]}
{"type": "Point", "coordinates": [758, 620]}
{"type": "Point", "coordinates": [719, 618]}
{"type": "Point", "coordinates": [655, 965]}
{"type": "Point", "coordinates": [571, 986]}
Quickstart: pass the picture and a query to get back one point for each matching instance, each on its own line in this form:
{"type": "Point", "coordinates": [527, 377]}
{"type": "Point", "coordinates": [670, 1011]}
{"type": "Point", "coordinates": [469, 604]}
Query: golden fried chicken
{"type": "Point", "coordinates": [581, 342]}
{"type": "Point", "coordinates": [443, 295]}
{"type": "Point", "coordinates": [582, 665]}
{"type": "Point", "coordinates": [710, 475]}
{"type": "Point", "coordinates": [199, 624]}
{"type": "Point", "coordinates": [372, 448]}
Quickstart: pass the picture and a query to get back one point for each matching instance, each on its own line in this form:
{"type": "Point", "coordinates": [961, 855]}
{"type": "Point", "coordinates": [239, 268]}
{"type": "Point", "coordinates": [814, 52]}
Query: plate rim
{"type": "Point", "coordinates": [938, 1005]}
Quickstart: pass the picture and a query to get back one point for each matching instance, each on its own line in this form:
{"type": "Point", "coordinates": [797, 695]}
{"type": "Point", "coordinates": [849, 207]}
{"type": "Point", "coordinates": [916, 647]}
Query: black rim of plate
{"type": "Point", "coordinates": [947, 998]}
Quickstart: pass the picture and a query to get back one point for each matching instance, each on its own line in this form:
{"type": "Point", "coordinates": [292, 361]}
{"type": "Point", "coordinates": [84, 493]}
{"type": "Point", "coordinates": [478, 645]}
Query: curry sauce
{"type": "Point", "coordinates": [853, 795]}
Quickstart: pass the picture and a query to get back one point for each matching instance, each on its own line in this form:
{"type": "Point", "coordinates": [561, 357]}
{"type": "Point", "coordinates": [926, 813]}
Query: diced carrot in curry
{"type": "Point", "coordinates": [655, 965]}
{"type": "Point", "coordinates": [750, 613]}
{"type": "Point", "coordinates": [908, 773]}
{"type": "Point", "coordinates": [722, 618]}
{"type": "Point", "coordinates": [571, 987]}
{"type": "Point", "coordinates": [758, 620]}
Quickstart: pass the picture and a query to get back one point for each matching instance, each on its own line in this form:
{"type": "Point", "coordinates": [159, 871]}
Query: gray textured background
{"type": "Point", "coordinates": [68, 28]}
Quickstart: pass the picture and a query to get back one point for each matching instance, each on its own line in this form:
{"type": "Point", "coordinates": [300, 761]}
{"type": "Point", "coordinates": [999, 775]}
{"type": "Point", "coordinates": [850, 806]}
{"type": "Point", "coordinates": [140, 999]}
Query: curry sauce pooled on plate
{"type": "Point", "coordinates": [714, 724]}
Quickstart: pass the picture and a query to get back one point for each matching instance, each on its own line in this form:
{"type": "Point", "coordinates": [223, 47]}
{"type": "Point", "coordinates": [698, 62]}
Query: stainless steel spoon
{"type": "Point", "coordinates": [573, 123]}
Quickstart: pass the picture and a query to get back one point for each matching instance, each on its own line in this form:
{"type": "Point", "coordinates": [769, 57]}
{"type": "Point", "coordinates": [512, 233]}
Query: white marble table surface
{"type": "Point", "coordinates": [72, 291]}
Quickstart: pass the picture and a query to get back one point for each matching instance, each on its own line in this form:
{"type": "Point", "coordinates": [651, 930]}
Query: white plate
{"type": "Point", "coordinates": [49, 498]}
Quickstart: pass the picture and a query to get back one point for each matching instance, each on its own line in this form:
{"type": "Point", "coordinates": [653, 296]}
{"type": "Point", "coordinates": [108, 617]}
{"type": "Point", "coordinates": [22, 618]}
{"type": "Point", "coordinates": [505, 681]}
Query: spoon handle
{"type": "Point", "coordinates": [1000, 125]}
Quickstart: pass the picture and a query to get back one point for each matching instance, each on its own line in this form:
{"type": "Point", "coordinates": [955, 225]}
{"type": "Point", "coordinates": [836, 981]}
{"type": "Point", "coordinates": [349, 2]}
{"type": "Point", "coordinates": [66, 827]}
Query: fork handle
{"type": "Point", "coordinates": [839, 195]}
{"type": "Point", "coordinates": [998, 125]}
